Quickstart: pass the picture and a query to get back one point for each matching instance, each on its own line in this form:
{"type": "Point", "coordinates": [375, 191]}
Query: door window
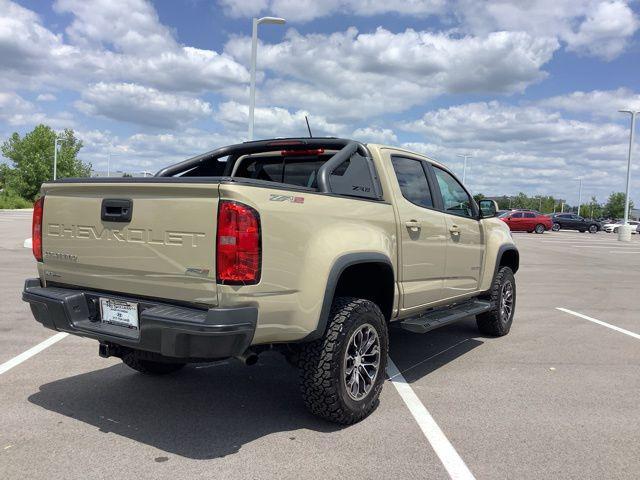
{"type": "Point", "coordinates": [529, 215]}
{"type": "Point", "coordinates": [455, 199]}
{"type": "Point", "coordinates": [413, 181]}
{"type": "Point", "coordinates": [517, 215]}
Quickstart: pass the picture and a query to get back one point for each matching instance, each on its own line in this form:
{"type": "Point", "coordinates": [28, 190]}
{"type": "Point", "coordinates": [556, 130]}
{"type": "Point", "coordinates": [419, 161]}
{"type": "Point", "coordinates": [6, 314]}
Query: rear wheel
{"type": "Point", "coordinates": [497, 321]}
{"type": "Point", "coordinates": [342, 374]}
{"type": "Point", "coordinates": [540, 228]}
{"type": "Point", "coordinates": [593, 228]}
{"type": "Point", "coordinates": [555, 227]}
{"type": "Point", "coordinates": [135, 359]}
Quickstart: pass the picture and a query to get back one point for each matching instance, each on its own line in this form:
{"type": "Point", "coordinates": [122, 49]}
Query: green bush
{"type": "Point", "coordinates": [11, 200]}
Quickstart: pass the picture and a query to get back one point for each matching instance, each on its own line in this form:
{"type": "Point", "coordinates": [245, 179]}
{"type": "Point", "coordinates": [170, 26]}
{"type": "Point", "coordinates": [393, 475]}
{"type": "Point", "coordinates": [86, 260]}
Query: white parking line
{"type": "Point", "coordinates": [15, 361]}
{"type": "Point", "coordinates": [620, 247]}
{"type": "Point", "coordinates": [600, 322]}
{"type": "Point", "coordinates": [452, 462]}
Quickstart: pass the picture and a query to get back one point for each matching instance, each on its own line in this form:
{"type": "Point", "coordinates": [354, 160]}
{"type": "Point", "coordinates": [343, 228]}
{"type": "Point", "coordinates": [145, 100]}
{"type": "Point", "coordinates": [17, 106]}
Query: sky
{"type": "Point", "coordinates": [530, 88]}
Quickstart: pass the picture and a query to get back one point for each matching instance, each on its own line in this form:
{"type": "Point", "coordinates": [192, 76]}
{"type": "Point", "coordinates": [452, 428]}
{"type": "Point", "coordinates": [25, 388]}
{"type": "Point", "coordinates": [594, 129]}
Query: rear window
{"type": "Point", "coordinates": [299, 171]}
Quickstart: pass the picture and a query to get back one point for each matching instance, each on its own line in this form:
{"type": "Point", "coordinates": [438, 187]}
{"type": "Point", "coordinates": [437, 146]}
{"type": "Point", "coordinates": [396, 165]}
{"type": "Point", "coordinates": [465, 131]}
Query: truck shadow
{"type": "Point", "coordinates": [417, 355]}
{"type": "Point", "coordinates": [212, 410]}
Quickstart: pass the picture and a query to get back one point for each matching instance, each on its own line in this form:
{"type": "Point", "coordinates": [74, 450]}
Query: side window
{"type": "Point", "coordinates": [529, 215]}
{"type": "Point", "coordinates": [413, 181]}
{"type": "Point", "coordinates": [455, 199]}
{"type": "Point", "coordinates": [517, 215]}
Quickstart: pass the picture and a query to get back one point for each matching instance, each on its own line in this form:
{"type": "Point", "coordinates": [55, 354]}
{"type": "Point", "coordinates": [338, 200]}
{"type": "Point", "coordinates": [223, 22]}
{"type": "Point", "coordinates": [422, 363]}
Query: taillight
{"type": "Point", "coordinates": [36, 229]}
{"type": "Point", "coordinates": [238, 244]}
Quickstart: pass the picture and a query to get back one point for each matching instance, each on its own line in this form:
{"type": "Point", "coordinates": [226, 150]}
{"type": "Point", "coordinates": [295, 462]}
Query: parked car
{"type": "Point", "coordinates": [571, 221]}
{"type": "Point", "coordinates": [613, 227]}
{"type": "Point", "coordinates": [526, 221]}
{"type": "Point", "coordinates": [307, 246]}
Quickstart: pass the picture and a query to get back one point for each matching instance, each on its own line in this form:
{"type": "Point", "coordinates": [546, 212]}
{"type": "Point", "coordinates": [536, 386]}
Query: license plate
{"type": "Point", "coordinates": [119, 312]}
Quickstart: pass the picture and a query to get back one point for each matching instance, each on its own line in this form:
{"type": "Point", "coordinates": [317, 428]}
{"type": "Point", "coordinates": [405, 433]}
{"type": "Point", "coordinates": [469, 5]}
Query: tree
{"type": "Point", "coordinates": [592, 209]}
{"type": "Point", "coordinates": [615, 205]}
{"type": "Point", "coordinates": [32, 159]}
{"type": "Point", "coordinates": [478, 196]}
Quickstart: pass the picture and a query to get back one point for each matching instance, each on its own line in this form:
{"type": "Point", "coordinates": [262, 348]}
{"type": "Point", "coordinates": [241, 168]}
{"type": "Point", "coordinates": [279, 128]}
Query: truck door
{"type": "Point", "coordinates": [421, 233]}
{"type": "Point", "coordinates": [465, 245]}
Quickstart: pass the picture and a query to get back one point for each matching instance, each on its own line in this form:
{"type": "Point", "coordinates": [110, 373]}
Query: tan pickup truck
{"type": "Point", "coordinates": [310, 246]}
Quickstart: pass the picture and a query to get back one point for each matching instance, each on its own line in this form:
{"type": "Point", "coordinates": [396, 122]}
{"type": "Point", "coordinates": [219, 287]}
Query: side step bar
{"type": "Point", "coordinates": [433, 319]}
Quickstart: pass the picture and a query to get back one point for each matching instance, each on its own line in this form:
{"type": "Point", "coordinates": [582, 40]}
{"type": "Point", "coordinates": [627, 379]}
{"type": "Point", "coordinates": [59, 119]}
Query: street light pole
{"type": "Point", "coordinates": [633, 114]}
{"type": "Point", "coordinates": [55, 157]}
{"type": "Point", "coordinates": [109, 163]}
{"type": "Point", "coordinates": [579, 196]}
{"type": "Point", "coordinates": [464, 167]}
{"type": "Point", "coordinates": [254, 55]}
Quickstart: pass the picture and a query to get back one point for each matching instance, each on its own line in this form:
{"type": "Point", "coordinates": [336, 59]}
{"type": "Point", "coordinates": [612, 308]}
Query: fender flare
{"type": "Point", "coordinates": [338, 267]}
{"type": "Point", "coordinates": [501, 251]}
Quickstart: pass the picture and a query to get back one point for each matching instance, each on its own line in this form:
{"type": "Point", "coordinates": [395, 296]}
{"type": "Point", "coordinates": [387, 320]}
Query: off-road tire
{"type": "Point", "coordinates": [492, 322]}
{"type": "Point", "coordinates": [133, 359]}
{"type": "Point", "coordinates": [540, 229]}
{"type": "Point", "coordinates": [555, 227]}
{"type": "Point", "coordinates": [321, 363]}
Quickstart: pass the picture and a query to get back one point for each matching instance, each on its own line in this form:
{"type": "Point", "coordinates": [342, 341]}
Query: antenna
{"type": "Point", "coordinates": [308, 127]}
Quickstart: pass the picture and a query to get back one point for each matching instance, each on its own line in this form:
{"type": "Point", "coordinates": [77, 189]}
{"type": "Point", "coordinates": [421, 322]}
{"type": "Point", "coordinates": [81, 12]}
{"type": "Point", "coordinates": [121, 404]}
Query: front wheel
{"type": "Point", "coordinates": [341, 374]}
{"type": "Point", "coordinates": [540, 228]}
{"type": "Point", "coordinates": [593, 228]}
{"type": "Point", "coordinates": [497, 321]}
{"type": "Point", "coordinates": [555, 227]}
{"type": "Point", "coordinates": [615, 230]}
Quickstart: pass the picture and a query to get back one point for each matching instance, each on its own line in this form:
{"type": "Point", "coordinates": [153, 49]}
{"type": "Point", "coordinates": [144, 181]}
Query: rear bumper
{"type": "Point", "coordinates": [169, 330]}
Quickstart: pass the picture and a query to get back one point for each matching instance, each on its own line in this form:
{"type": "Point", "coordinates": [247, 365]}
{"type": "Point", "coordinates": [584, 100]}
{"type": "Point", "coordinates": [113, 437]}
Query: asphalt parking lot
{"type": "Point", "coordinates": [557, 398]}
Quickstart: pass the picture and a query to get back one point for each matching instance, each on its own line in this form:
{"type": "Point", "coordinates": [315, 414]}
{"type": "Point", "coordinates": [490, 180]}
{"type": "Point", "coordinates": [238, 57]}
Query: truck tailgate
{"type": "Point", "coordinates": [166, 250]}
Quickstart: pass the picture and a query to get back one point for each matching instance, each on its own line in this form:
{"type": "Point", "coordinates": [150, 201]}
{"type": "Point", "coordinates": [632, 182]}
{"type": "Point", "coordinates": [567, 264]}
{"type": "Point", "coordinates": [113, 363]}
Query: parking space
{"type": "Point", "coordinates": [556, 398]}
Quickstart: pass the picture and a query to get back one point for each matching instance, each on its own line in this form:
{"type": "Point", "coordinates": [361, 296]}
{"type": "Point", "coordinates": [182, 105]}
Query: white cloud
{"type": "Point", "coordinates": [375, 135]}
{"type": "Point", "coordinates": [15, 111]}
{"type": "Point", "coordinates": [602, 28]}
{"type": "Point", "coordinates": [274, 122]}
{"type": "Point", "coordinates": [606, 31]}
{"type": "Point", "coordinates": [525, 148]}
{"type": "Point", "coordinates": [46, 97]}
{"type": "Point", "coordinates": [350, 74]}
{"type": "Point", "coordinates": [150, 152]}
{"type": "Point", "coordinates": [131, 26]}
{"type": "Point", "coordinates": [306, 10]}
{"type": "Point", "coordinates": [106, 45]}
{"type": "Point", "coordinates": [597, 103]}
{"type": "Point", "coordinates": [133, 103]}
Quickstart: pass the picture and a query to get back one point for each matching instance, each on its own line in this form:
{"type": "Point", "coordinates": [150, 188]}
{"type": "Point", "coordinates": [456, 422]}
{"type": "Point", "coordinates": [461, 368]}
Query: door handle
{"type": "Point", "coordinates": [455, 230]}
{"type": "Point", "coordinates": [413, 225]}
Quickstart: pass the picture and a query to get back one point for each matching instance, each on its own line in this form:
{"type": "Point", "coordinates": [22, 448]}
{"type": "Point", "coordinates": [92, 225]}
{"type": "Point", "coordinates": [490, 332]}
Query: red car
{"type": "Point", "coordinates": [527, 221]}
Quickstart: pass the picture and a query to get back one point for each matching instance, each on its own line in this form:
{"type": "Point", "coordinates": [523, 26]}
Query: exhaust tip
{"type": "Point", "coordinates": [248, 358]}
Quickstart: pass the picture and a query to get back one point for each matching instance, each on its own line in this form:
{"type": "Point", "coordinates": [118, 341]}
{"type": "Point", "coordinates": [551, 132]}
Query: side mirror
{"type": "Point", "coordinates": [488, 208]}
